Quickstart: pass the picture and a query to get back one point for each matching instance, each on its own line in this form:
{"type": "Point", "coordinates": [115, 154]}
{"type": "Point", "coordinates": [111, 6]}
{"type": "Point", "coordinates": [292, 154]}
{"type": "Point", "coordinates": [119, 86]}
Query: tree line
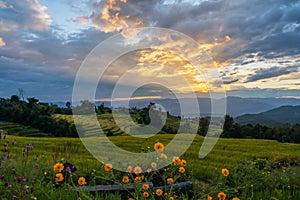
{"type": "Point", "coordinates": [282, 133]}
{"type": "Point", "coordinates": [39, 115]}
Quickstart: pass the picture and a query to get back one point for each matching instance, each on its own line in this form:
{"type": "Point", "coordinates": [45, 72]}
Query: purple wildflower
{"type": "Point", "coordinates": [23, 152]}
{"type": "Point", "coordinates": [8, 184]}
{"type": "Point", "coordinates": [13, 170]}
{"type": "Point", "coordinates": [14, 142]}
{"type": "Point", "coordinates": [4, 136]}
{"type": "Point", "coordinates": [28, 147]}
{"type": "Point", "coordinates": [6, 143]}
{"type": "Point", "coordinates": [36, 157]}
{"type": "Point", "coordinates": [8, 153]}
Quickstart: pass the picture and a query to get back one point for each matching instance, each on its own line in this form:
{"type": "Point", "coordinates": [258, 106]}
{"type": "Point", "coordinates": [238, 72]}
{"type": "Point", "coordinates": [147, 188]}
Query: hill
{"type": "Point", "coordinates": [236, 106]}
{"type": "Point", "coordinates": [271, 118]}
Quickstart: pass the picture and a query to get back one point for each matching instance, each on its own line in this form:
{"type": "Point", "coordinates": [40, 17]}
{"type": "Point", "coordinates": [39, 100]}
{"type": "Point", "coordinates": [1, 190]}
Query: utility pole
{"type": "Point", "coordinates": [21, 93]}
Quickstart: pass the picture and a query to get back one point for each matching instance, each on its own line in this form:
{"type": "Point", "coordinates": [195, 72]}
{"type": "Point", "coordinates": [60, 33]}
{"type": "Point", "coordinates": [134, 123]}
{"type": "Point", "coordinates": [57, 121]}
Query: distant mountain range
{"type": "Point", "coordinates": [236, 106]}
{"type": "Point", "coordinates": [271, 118]}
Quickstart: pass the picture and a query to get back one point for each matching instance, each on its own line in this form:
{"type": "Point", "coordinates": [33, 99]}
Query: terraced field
{"type": "Point", "coordinates": [20, 130]}
{"type": "Point", "coordinates": [106, 121]}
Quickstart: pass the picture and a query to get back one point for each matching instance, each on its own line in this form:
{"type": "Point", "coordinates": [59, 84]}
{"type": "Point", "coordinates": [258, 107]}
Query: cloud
{"type": "Point", "coordinates": [270, 73]}
{"type": "Point", "coordinates": [2, 43]}
{"type": "Point", "coordinates": [263, 93]}
{"type": "Point", "coordinates": [229, 81]}
{"type": "Point", "coordinates": [28, 14]}
{"type": "Point", "coordinates": [249, 41]}
{"type": "Point", "coordinates": [228, 26]}
{"type": "Point", "coordinates": [2, 4]}
{"type": "Point", "coordinates": [82, 20]}
{"type": "Point", "coordinates": [108, 18]}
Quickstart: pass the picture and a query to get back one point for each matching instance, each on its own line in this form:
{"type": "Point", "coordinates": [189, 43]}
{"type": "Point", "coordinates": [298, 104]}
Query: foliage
{"type": "Point", "coordinates": [36, 115]}
{"type": "Point", "coordinates": [249, 178]}
{"type": "Point", "coordinates": [286, 133]}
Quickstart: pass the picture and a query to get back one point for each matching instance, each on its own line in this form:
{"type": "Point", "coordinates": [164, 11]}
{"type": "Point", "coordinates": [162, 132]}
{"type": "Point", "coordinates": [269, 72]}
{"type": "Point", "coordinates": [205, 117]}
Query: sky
{"type": "Point", "coordinates": [254, 45]}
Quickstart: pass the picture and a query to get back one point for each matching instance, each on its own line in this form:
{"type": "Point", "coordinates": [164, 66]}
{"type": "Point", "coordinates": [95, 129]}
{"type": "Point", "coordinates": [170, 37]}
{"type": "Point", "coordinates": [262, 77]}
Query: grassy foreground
{"type": "Point", "coordinates": [227, 153]}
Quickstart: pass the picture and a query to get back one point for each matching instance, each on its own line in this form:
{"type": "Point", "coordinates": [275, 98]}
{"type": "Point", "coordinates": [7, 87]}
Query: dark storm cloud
{"type": "Point", "coordinates": [281, 44]}
{"type": "Point", "coordinates": [271, 72]}
{"type": "Point", "coordinates": [229, 81]}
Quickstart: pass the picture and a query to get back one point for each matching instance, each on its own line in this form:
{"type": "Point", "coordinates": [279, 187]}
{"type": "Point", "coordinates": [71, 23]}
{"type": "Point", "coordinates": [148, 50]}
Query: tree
{"type": "Point", "coordinates": [14, 99]}
{"type": "Point", "coordinates": [68, 104]}
{"type": "Point", "coordinates": [203, 126]}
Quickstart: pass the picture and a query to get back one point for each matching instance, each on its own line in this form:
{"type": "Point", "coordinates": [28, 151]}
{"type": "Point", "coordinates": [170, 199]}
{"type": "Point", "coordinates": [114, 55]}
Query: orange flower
{"type": "Point", "coordinates": [158, 147]}
{"type": "Point", "coordinates": [158, 192]}
{"type": "Point", "coordinates": [163, 156]}
{"type": "Point", "coordinates": [181, 169]}
{"type": "Point", "coordinates": [81, 181]}
{"type": "Point", "coordinates": [59, 177]}
{"type": "Point", "coordinates": [225, 172]}
{"type": "Point", "coordinates": [137, 179]}
{"type": "Point", "coordinates": [221, 196]}
{"type": "Point", "coordinates": [125, 179]}
{"type": "Point", "coordinates": [171, 198]}
{"type": "Point", "coordinates": [137, 170]}
{"type": "Point", "coordinates": [165, 194]}
{"type": "Point", "coordinates": [183, 162]}
{"type": "Point", "coordinates": [145, 186]}
{"type": "Point", "coordinates": [153, 165]}
{"type": "Point", "coordinates": [170, 181]}
{"type": "Point", "coordinates": [129, 169]}
{"type": "Point", "coordinates": [146, 194]}
{"type": "Point", "coordinates": [108, 167]}
{"type": "Point", "coordinates": [58, 167]}
{"type": "Point", "coordinates": [209, 197]}
{"type": "Point", "coordinates": [131, 198]}
{"type": "Point", "coordinates": [149, 170]}
{"type": "Point", "coordinates": [177, 161]}
{"type": "Point", "coordinates": [235, 198]}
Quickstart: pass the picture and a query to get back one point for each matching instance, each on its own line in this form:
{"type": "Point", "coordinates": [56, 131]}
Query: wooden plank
{"type": "Point", "coordinates": [126, 187]}
{"type": "Point", "coordinates": [175, 185]}
{"type": "Point", "coordinates": [99, 188]}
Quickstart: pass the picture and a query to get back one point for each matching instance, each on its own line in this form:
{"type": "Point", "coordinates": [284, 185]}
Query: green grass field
{"type": "Point", "coordinates": [227, 153]}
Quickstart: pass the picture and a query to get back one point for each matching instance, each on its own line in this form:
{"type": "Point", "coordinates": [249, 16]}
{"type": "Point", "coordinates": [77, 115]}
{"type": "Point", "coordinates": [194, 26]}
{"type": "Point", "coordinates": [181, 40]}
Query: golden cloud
{"type": "Point", "coordinates": [167, 65]}
{"type": "Point", "coordinates": [2, 43]}
{"type": "Point", "coordinates": [82, 20]}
